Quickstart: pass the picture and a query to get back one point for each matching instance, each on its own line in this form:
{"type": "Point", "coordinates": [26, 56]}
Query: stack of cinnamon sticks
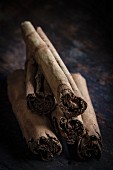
{"type": "Point", "coordinates": [48, 101]}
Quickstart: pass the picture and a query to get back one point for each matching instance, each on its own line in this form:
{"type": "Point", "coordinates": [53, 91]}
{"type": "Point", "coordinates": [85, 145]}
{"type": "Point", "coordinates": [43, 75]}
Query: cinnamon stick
{"type": "Point", "coordinates": [36, 129]}
{"type": "Point", "coordinates": [71, 129]}
{"type": "Point", "coordinates": [44, 101]}
{"type": "Point", "coordinates": [69, 101]}
{"type": "Point", "coordinates": [58, 59]}
{"type": "Point", "coordinates": [45, 98]}
{"type": "Point", "coordinates": [91, 144]}
{"type": "Point", "coordinates": [38, 95]}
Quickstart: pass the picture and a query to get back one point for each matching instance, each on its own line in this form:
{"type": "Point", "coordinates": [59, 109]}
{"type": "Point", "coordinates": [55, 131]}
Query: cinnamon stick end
{"type": "Point", "coordinates": [71, 129]}
{"type": "Point", "coordinates": [46, 148]}
{"type": "Point", "coordinates": [69, 103]}
{"type": "Point", "coordinates": [89, 147]}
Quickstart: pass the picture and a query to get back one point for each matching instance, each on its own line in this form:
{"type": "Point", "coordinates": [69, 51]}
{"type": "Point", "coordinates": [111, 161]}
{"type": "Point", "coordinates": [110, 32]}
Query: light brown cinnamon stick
{"type": "Point", "coordinates": [68, 100]}
{"type": "Point", "coordinates": [58, 59]}
{"type": "Point", "coordinates": [90, 145]}
{"type": "Point", "coordinates": [35, 128]}
{"type": "Point", "coordinates": [38, 95]}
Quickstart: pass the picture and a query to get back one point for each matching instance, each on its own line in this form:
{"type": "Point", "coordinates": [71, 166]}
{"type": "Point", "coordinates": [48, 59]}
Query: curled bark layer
{"type": "Point", "coordinates": [69, 128]}
{"type": "Point", "coordinates": [36, 129]}
{"type": "Point", "coordinates": [54, 74]}
{"type": "Point", "coordinates": [90, 145]}
{"type": "Point", "coordinates": [43, 100]}
{"type": "Point", "coordinates": [39, 96]}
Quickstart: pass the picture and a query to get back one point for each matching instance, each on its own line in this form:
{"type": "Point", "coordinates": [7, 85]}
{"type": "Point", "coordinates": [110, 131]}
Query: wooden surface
{"type": "Point", "coordinates": [82, 34]}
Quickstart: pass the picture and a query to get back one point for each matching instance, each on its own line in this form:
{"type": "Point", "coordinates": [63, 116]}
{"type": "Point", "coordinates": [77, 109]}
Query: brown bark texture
{"type": "Point", "coordinates": [36, 129]}
{"type": "Point", "coordinates": [90, 145]}
{"type": "Point", "coordinates": [70, 102]}
{"type": "Point", "coordinates": [39, 96]}
{"type": "Point", "coordinates": [71, 129]}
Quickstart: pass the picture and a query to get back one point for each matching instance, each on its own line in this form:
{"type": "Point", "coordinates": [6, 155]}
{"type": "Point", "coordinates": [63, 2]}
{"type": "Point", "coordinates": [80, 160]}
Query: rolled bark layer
{"type": "Point", "coordinates": [70, 102]}
{"type": "Point", "coordinates": [69, 128]}
{"type": "Point", "coordinates": [91, 144]}
{"type": "Point", "coordinates": [36, 129]}
{"type": "Point", "coordinates": [42, 101]}
{"type": "Point", "coordinates": [38, 93]}
{"type": "Point", "coordinates": [89, 147]}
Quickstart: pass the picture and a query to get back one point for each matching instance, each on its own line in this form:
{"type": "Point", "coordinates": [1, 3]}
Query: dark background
{"type": "Point", "coordinates": [82, 32]}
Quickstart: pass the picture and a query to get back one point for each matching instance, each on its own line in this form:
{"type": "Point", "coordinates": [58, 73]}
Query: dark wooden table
{"type": "Point", "coordinates": [82, 34]}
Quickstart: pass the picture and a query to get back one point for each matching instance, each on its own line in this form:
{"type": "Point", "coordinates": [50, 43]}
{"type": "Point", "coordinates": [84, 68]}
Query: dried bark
{"type": "Point", "coordinates": [69, 128]}
{"type": "Point", "coordinates": [39, 96]}
{"type": "Point", "coordinates": [43, 100]}
{"type": "Point", "coordinates": [91, 144]}
{"type": "Point", "coordinates": [70, 102]}
{"type": "Point", "coordinates": [58, 59]}
{"type": "Point", "coordinates": [36, 129]}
